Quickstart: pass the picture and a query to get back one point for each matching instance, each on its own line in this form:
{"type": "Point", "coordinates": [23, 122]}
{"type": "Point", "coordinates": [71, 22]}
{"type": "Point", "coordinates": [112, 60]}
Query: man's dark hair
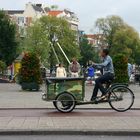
{"type": "Point", "coordinates": [106, 51]}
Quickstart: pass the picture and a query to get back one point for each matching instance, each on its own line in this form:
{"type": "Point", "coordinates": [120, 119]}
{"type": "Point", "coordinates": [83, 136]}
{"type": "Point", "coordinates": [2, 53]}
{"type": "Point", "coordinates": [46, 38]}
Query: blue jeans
{"type": "Point", "coordinates": [99, 84]}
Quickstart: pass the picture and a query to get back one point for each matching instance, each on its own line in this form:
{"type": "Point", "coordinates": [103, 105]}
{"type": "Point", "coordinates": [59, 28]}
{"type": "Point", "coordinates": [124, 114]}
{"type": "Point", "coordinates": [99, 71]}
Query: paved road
{"type": "Point", "coordinates": [76, 113]}
{"type": "Point", "coordinates": [48, 137]}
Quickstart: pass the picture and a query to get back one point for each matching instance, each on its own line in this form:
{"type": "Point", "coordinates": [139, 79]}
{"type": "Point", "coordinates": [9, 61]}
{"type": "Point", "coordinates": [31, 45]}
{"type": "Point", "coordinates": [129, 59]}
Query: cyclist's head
{"type": "Point", "coordinates": [104, 52]}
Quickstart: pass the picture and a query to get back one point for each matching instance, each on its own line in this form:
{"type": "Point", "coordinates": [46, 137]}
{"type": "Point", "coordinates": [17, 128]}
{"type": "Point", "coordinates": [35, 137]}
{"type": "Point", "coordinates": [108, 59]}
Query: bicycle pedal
{"type": "Point", "coordinates": [103, 100]}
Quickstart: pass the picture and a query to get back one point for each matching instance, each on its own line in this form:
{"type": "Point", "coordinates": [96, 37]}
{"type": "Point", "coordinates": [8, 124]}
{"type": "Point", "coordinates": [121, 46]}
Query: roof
{"type": "Point", "coordinates": [37, 8]}
{"type": "Point", "coordinates": [93, 36]}
{"type": "Point", "coordinates": [12, 12]}
{"type": "Point", "coordinates": [67, 11]}
{"type": "Point", "coordinates": [54, 13]}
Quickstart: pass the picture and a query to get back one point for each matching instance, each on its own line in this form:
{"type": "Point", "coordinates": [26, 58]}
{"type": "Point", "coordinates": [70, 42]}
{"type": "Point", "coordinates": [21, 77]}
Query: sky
{"type": "Point", "coordinates": [88, 11]}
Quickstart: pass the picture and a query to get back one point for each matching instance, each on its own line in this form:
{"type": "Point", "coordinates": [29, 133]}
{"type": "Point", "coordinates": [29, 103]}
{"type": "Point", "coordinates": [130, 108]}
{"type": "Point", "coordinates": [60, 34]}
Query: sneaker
{"type": "Point", "coordinates": [94, 100]}
{"type": "Point", "coordinates": [103, 97]}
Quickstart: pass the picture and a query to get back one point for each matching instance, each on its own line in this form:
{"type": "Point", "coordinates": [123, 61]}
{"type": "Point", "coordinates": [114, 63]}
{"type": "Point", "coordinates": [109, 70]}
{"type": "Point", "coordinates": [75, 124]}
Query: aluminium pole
{"type": "Point", "coordinates": [63, 52]}
{"type": "Point", "coordinates": [55, 53]}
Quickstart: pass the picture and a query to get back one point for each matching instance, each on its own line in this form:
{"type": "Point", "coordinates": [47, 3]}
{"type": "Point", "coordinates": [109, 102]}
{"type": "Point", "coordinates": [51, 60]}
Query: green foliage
{"type": "Point", "coordinates": [118, 36]}
{"type": "Point", "coordinates": [137, 55]}
{"type": "Point", "coordinates": [121, 68]}
{"type": "Point", "coordinates": [108, 27]}
{"type": "Point", "coordinates": [126, 41]}
{"type": "Point", "coordinates": [2, 66]}
{"type": "Point", "coordinates": [8, 40]}
{"type": "Point", "coordinates": [41, 33]}
{"type": "Point", "coordinates": [30, 69]}
{"type": "Point", "coordinates": [36, 41]}
{"type": "Point", "coordinates": [88, 52]}
{"type": "Point", "coordinates": [54, 7]}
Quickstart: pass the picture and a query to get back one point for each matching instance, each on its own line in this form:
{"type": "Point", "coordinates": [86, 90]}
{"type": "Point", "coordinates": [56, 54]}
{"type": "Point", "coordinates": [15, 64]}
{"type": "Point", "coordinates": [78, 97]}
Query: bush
{"type": "Point", "coordinates": [30, 69]}
{"type": "Point", "coordinates": [121, 68]}
{"type": "Point", "coordinates": [2, 66]}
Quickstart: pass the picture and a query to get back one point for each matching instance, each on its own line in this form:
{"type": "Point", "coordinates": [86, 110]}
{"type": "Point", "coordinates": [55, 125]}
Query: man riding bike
{"type": "Point", "coordinates": [108, 74]}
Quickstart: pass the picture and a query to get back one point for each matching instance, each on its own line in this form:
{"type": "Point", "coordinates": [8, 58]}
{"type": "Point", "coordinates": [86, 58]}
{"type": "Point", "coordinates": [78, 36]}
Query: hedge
{"type": "Point", "coordinates": [121, 68]}
{"type": "Point", "coordinates": [30, 69]}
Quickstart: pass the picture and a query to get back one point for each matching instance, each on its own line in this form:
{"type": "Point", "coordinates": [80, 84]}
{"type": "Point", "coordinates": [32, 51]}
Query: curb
{"type": "Point", "coordinates": [71, 132]}
{"type": "Point", "coordinates": [135, 109]}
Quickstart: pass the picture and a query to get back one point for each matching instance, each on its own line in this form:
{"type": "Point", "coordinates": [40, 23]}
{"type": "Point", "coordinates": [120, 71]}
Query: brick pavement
{"type": "Point", "coordinates": [68, 123]}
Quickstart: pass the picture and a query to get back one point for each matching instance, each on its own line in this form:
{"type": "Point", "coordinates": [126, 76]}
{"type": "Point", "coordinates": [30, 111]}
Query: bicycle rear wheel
{"type": "Point", "coordinates": [121, 98]}
{"type": "Point", "coordinates": [65, 102]}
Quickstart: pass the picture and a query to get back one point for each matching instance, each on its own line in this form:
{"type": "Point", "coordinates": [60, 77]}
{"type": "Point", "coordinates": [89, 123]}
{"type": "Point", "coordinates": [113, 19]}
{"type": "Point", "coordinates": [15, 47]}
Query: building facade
{"type": "Point", "coordinates": [24, 18]}
{"type": "Point", "coordinates": [94, 40]}
{"type": "Point", "coordinates": [32, 12]}
{"type": "Point", "coordinates": [68, 15]}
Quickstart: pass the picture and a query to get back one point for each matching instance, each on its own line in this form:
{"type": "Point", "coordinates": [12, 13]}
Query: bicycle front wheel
{"type": "Point", "coordinates": [121, 98]}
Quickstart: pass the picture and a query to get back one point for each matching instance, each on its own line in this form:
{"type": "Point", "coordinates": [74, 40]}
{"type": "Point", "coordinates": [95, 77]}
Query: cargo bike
{"type": "Point", "coordinates": [67, 93]}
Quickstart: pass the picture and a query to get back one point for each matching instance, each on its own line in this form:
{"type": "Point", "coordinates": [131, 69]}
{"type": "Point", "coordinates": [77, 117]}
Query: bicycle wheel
{"type": "Point", "coordinates": [65, 102]}
{"type": "Point", "coordinates": [121, 98]}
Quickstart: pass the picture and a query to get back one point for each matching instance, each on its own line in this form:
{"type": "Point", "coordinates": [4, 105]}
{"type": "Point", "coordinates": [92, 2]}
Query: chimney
{"type": "Point", "coordinates": [39, 5]}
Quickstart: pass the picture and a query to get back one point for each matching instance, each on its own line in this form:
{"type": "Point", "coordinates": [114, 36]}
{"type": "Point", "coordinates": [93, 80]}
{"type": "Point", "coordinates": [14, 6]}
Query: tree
{"type": "Point", "coordinates": [126, 41]}
{"type": "Point", "coordinates": [118, 36]}
{"type": "Point", "coordinates": [8, 39]}
{"type": "Point", "coordinates": [88, 52]}
{"type": "Point", "coordinates": [2, 66]}
{"type": "Point", "coordinates": [107, 27]}
{"type": "Point", "coordinates": [37, 41]}
{"type": "Point", "coordinates": [41, 33]}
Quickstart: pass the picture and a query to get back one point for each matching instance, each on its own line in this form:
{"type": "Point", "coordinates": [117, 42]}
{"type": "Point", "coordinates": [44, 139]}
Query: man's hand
{"type": "Point", "coordinates": [93, 63]}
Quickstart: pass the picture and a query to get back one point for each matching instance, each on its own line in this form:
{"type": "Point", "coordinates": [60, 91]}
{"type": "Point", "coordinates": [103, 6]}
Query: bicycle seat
{"type": "Point", "coordinates": [109, 82]}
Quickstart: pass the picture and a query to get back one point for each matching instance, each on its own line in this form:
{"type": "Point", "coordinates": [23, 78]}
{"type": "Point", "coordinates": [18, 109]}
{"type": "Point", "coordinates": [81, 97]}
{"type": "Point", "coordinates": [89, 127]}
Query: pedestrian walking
{"type": "Point", "coordinates": [130, 69]}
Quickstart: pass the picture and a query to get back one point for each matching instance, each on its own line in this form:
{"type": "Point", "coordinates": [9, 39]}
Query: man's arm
{"type": "Point", "coordinates": [102, 65]}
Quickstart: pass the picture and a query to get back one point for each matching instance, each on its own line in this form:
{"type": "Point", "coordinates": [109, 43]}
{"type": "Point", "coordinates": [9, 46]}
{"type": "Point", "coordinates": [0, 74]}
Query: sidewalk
{"type": "Point", "coordinates": [66, 125]}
